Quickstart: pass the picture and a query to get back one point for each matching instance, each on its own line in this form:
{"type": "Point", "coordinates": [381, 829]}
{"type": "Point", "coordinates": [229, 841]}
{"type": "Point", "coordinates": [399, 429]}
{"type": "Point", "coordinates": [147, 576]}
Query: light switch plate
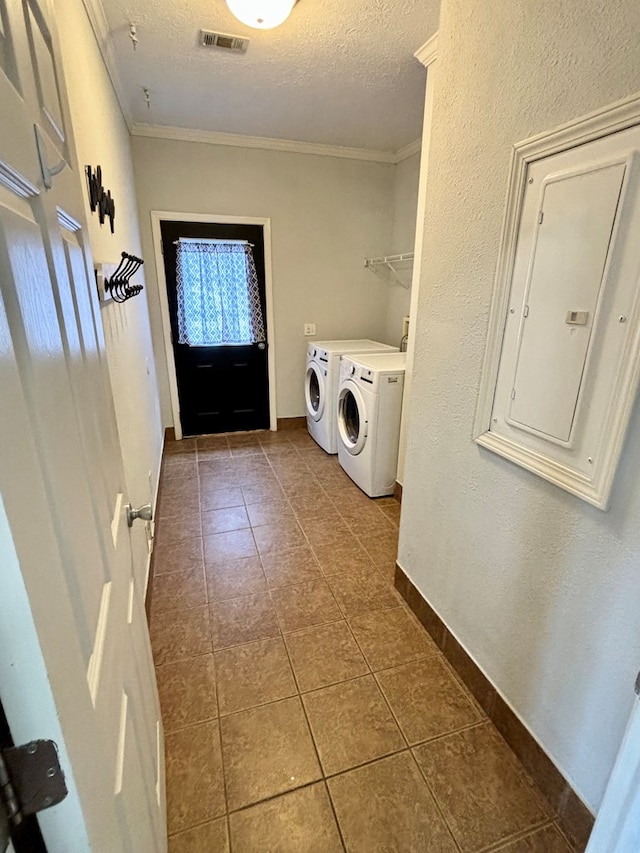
{"type": "Point", "coordinates": [309, 328]}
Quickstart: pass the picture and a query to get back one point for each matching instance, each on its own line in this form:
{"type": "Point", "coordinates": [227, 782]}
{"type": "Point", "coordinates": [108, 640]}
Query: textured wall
{"type": "Point", "coordinates": [102, 138]}
{"type": "Point", "coordinates": [327, 215]}
{"type": "Point", "coordinates": [541, 588]}
{"type": "Point", "coordinates": [405, 201]}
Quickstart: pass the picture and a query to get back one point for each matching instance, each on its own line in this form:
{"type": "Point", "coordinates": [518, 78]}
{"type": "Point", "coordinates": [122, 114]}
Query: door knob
{"type": "Point", "coordinates": [144, 512]}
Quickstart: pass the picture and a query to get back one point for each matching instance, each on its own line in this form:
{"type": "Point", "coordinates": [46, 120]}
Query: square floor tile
{"type": "Point", "coordinates": [546, 840]}
{"type": "Point", "coordinates": [180, 634]}
{"type": "Point", "coordinates": [187, 691]}
{"type": "Point", "coordinates": [279, 536]}
{"type": "Point", "coordinates": [426, 699]}
{"type": "Point", "coordinates": [258, 493]}
{"type": "Point", "coordinates": [327, 531]}
{"type": "Point", "coordinates": [223, 520]}
{"type": "Point", "coordinates": [208, 838]}
{"type": "Point", "coordinates": [392, 511]}
{"type": "Point", "coordinates": [267, 751]}
{"type": "Point", "coordinates": [290, 567]}
{"type": "Point", "coordinates": [213, 477]}
{"type": "Point", "coordinates": [480, 787]}
{"type": "Point", "coordinates": [178, 496]}
{"type": "Point", "coordinates": [195, 786]}
{"type": "Point", "coordinates": [242, 620]}
{"type": "Point", "coordinates": [184, 556]}
{"type": "Point", "coordinates": [176, 528]}
{"type": "Point", "coordinates": [269, 512]}
{"type": "Point", "coordinates": [368, 517]}
{"type": "Point", "coordinates": [212, 442]}
{"type": "Point", "coordinates": [305, 604]}
{"type": "Point", "coordinates": [233, 578]}
{"type": "Point", "coordinates": [229, 546]}
{"type": "Point", "coordinates": [299, 822]}
{"type": "Point", "coordinates": [221, 498]}
{"type": "Point", "coordinates": [391, 637]}
{"type": "Point", "coordinates": [325, 654]}
{"type": "Point", "coordinates": [386, 806]}
{"type": "Point", "coordinates": [357, 594]}
{"type": "Point", "coordinates": [382, 546]}
{"type": "Point", "coordinates": [347, 556]}
{"type": "Point", "coordinates": [177, 590]}
{"type": "Point", "coordinates": [253, 674]}
{"type": "Point", "coordinates": [351, 724]}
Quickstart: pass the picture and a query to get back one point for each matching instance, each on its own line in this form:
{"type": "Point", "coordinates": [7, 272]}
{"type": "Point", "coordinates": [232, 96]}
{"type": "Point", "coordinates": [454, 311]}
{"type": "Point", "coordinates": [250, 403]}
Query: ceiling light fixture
{"type": "Point", "coordinates": [261, 14]}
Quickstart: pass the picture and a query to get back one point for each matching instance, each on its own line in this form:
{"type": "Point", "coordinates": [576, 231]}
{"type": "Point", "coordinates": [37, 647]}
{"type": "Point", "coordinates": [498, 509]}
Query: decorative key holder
{"type": "Point", "coordinates": [118, 285]}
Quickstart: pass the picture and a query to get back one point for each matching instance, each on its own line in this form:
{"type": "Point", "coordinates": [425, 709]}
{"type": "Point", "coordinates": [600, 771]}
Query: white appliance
{"type": "Point", "coordinates": [369, 410]}
{"type": "Point", "coordinates": [321, 385]}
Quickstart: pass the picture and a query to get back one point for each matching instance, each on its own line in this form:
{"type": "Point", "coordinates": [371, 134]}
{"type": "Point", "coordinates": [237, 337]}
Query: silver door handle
{"type": "Point", "coordinates": [144, 512]}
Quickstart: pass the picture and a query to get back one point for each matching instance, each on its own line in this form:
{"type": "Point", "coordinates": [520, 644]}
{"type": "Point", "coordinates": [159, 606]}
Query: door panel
{"type": "Point", "coordinates": [222, 388]}
{"type": "Point", "coordinates": [69, 595]}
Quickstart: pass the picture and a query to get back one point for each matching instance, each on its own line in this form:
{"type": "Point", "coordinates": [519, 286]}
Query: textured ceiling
{"type": "Point", "coordinates": [339, 72]}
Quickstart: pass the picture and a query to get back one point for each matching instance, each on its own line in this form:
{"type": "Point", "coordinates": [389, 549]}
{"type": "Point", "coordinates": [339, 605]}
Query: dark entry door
{"type": "Point", "coordinates": [223, 382]}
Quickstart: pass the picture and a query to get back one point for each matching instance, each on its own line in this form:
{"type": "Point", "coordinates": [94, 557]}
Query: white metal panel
{"type": "Point", "coordinates": [585, 464]}
{"type": "Point", "coordinates": [567, 269]}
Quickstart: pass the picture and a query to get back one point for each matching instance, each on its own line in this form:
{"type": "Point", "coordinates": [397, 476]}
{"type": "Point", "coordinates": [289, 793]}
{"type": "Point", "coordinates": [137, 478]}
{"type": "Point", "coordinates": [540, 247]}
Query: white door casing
{"type": "Point", "coordinates": [157, 216]}
{"type": "Point", "coordinates": [75, 662]}
{"type": "Point", "coordinates": [617, 827]}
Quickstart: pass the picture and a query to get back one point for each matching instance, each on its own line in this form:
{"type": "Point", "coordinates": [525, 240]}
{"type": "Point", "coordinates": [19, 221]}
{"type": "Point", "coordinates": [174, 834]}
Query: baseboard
{"type": "Point", "coordinates": [574, 818]}
{"type": "Point", "coordinates": [169, 435]}
{"type": "Point", "coordinates": [292, 423]}
{"type": "Point", "coordinates": [397, 492]}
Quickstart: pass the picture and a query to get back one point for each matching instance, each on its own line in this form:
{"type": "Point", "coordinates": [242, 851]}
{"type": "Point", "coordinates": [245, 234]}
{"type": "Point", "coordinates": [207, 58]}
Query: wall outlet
{"type": "Point", "coordinates": [309, 328]}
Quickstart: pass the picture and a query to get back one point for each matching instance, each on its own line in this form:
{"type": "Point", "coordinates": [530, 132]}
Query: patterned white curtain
{"type": "Point", "coordinates": [218, 295]}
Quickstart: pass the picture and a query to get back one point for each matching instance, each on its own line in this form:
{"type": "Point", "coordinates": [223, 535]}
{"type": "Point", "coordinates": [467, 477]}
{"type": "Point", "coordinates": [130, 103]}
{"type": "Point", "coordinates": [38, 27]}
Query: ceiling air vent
{"type": "Point", "coordinates": [224, 41]}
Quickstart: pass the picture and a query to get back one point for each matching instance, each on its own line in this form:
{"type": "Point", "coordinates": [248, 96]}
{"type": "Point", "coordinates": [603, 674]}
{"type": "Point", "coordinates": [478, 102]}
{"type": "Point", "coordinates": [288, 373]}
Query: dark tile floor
{"type": "Point", "coordinates": [305, 709]}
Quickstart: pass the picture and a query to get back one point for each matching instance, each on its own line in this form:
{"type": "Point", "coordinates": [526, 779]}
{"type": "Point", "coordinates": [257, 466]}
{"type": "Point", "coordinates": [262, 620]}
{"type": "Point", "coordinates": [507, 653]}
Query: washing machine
{"type": "Point", "coordinates": [369, 412]}
{"type": "Point", "coordinates": [321, 385]}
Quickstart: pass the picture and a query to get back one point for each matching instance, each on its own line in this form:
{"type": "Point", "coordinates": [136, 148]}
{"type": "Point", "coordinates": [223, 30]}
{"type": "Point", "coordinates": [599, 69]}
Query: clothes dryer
{"type": "Point", "coordinates": [369, 413]}
{"type": "Point", "coordinates": [321, 385]}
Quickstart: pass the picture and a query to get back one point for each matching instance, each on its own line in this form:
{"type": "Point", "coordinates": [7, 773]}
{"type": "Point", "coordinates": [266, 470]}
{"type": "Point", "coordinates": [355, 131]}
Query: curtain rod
{"type": "Point", "coordinates": [211, 240]}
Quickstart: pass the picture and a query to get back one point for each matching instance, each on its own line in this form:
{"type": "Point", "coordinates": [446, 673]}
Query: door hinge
{"type": "Point", "coordinates": [31, 779]}
{"type": "Point", "coordinates": [540, 217]}
{"type": "Point", "coordinates": [525, 312]}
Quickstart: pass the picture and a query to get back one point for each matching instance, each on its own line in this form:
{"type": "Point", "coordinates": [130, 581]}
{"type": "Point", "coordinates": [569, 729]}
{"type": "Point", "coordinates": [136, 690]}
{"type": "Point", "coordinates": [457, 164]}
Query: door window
{"type": "Point", "coordinates": [218, 294]}
{"type": "Point", "coordinates": [351, 417]}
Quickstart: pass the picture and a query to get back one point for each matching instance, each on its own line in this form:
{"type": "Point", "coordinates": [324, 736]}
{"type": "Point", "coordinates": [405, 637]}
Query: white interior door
{"type": "Point", "coordinates": [75, 662]}
{"type": "Point", "coordinates": [617, 828]}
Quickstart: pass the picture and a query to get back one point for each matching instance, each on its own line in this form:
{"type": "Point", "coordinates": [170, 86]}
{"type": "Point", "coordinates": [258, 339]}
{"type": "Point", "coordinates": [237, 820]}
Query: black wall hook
{"type": "Point", "coordinates": [118, 285]}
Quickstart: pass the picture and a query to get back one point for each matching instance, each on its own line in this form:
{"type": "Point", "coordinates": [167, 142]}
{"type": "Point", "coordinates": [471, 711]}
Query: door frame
{"type": "Point", "coordinates": [157, 216]}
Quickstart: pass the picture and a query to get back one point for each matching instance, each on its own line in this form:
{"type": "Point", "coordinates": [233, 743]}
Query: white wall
{"type": "Point", "coordinates": [327, 214]}
{"type": "Point", "coordinates": [540, 588]}
{"type": "Point", "coordinates": [102, 138]}
{"type": "Point", "coordinates": [405, 202]}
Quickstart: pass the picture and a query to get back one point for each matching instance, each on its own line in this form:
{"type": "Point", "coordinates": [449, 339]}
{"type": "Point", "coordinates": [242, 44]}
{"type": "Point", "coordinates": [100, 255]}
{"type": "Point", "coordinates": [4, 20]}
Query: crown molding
{"type": "Point", "coordinates": [428, 53]}
{"type": "Point", "coordinates": [234, 140]}
{"type": "Point", "coordinates": [100, 26]}
{"type": "Point", "coordinates": [408, 150]}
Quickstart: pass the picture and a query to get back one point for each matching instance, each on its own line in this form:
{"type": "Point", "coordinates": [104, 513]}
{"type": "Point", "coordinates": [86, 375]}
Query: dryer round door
{"type": "Point", "coordinates": [353, 425]}
{"type": "Point", "coordinates": [314, 391]}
